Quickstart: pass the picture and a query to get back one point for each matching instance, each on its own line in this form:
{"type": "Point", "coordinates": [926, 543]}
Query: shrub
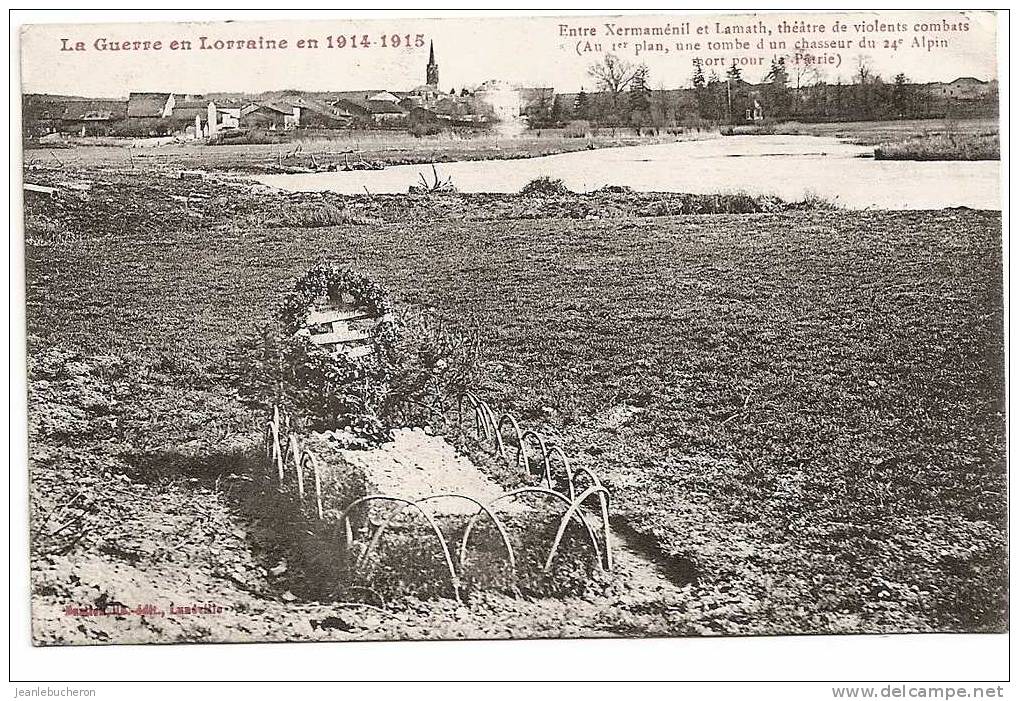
{"type": "Point", "coordinates": [417, 362]}
{"type": "Point", "coordinates": [545, 187]}
{"type": "Point", "coordinates": [431, 362]}
{"type": "Point", "coordinates": [731, 203]}
{"type": "Point", "coordinates": [812, 200]}
{"type": "Point", "coordinates": [437, 186]}
{"type": "Point", "coordinates": [312, 215]}
{"type": "Point", "coordinates": [755, 129]}
{"type": "Point", "coordinates": [615, 190]}
{"type": "Point", "coordinates": [422, 128]}
{"type": "Point", "coordinates": [577, 129]}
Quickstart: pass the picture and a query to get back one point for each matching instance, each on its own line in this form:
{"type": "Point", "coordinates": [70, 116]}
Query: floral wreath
{"type": "Point", "coordinates": [329, 280]}
{"type": "Point", "coordinates": [366, 377]}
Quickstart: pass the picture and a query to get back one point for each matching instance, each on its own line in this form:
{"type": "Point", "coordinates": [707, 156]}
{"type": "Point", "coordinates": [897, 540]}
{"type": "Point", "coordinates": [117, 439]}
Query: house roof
{"type": "Point", "coordinates": [189, 113]}
{"type": "Point", "coordinates": [351, 107]}
{"type": "Point", "coordinates": [228, 103]}
{"type": "Point", "coordinates": [279, 107]}
{"type": "Point", "coordinates": [94, 110]}
{"type": "Point", "coordinates": [318, 107]}
{"type": "Point", "coordinates": [146, 104]}
{"type": "Point", "coordinates": [451, 107]}
{"type": "Point", "coordinates": [355, 96]}
{"type": "Point", "coordinates": [385, 107]}
{"type": "Point", "coordinates": [45, 109]}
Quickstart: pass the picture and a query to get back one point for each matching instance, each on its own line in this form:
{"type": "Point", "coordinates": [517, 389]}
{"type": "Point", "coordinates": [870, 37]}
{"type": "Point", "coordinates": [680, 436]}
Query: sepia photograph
{"type": "Point", "coordinates": [514, 327]}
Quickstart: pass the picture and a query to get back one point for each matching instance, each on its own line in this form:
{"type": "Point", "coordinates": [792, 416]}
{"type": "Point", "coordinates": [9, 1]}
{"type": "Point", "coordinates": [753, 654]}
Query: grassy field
{"type": "Point", "coordinates": [913, 139]}
{"type": "Point", "coordinates": [802, 411]}
{"type": "Point", "coordinates": [323, 149]}
{"type": "Point", "coordinates": [875, 133]}
{"type": "Point", "coordinates": [942, 147]}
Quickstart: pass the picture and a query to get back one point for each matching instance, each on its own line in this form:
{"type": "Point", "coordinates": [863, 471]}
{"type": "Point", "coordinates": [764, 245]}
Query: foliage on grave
{"type": "Point", "coordinates": [417, 362]}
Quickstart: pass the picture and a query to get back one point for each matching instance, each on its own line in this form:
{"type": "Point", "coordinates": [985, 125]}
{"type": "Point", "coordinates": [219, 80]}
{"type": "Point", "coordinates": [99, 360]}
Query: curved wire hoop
{"type": "Point", "coordinates": [558, 452]}
{"type": "Point", "coordinates": [507, 417]}
{"type": "Point", "coordinates": [296, 453]}
{"type": "Point", "coordinates": [546, 467]}
{"type": "Point", "coordinates": [575, 509]}
{"type": "Point", "coordinates": [349, 537]}
{"type": "Point", "coordinates": [570, 512]}
{"type": "Point", "coordinates": [309, 458]}
{"type": "Point", "coordinates": [483, 508]}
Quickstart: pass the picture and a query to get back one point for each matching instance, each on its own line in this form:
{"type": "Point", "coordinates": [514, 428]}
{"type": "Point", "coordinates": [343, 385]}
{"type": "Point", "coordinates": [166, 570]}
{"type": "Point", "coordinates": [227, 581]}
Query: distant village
{"type": "Point", "coordinates": [207, 116]}
{"type": "Point", "coordinates": [428, 109]}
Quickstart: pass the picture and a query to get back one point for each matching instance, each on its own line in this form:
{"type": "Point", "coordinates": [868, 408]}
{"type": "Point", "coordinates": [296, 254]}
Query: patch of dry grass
{"type": "Point", "coordinates": [942, 147]}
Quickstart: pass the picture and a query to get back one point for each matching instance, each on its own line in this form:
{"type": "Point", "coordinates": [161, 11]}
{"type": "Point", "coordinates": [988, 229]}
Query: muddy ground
{"type": "Point", "coordinates": [799, 412]}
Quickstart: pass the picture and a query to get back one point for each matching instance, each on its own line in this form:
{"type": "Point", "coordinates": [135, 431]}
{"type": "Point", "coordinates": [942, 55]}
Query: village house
{"type": "Point", "coordinates": [152, 113]}
{"type": "Point", "coordinates": [221, 117]}
{"type": "Point", "coordinates": [188, 116]}
{"type": "Point", "coordinates": [356, 107]}
{"type": "Point", "coordinates": [319, 114]}
{"type": "Point", "coordinates": [93, 117]}
{"type": "Point", "coordinates": [271, 116]}
{"type": "Point", "coordinates": [77, 116]}
{"type": "Point", "coordinates": [386, 112]}
{"type": "Point", "coordinates": [150, 105]}
{"type": "Point", "coordinates": [965, 88]}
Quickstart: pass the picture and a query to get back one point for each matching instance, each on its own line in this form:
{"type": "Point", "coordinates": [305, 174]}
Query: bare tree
{"type": "Point", "coordinates": [864, 79]}
{"type": "Point", "coordinates": [660, 108]}
{"type": "Point", "coordinates": [863, 72]}
{"type": "Point", "coordinates": [805, 74]}
{"type": "Point", "coordinates": [612, 75]}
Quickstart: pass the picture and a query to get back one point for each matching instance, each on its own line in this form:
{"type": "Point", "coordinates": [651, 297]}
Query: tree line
{"type": "Point", "coordinates": [623, 96]}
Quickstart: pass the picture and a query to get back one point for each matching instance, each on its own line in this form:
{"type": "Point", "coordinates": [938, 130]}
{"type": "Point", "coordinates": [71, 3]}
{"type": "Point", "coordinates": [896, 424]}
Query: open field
{"type": "Point", "coordinates": [875, 133]}
{"type": "Point", "coordinates": [801, 413]}
{"type": "Point", "coordinates": [324, 149]}
{"type": "Point", "coordinates": [907, 140]}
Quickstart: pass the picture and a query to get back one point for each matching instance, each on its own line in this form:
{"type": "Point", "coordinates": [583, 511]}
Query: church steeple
{"type": "Point", "coordinates": [432, 70]}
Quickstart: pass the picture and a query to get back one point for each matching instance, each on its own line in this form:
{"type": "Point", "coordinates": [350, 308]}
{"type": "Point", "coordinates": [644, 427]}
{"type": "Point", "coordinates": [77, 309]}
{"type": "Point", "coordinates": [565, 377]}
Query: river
{"type": "Point", "coordinates": [787, 166]}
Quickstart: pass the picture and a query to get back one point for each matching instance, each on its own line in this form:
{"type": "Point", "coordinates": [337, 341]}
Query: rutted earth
{"type": "Point", "coordinates": [171, 556]}
{"type": "Point", "coordinates": [178, 561]}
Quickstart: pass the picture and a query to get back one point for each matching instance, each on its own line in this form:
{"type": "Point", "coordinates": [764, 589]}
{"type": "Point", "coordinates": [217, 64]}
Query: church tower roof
{"type": "Point", "coordinates": [432, 70]}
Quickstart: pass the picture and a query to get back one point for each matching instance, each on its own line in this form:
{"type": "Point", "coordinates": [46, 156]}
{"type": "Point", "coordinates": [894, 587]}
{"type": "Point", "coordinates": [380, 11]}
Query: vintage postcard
{"type": "Point", "coordinates": [514, 327]}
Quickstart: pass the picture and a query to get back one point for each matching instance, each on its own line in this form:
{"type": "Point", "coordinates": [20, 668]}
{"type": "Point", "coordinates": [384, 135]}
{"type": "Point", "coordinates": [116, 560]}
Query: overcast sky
{"type": "Point", "coordinates": [527, 50]}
